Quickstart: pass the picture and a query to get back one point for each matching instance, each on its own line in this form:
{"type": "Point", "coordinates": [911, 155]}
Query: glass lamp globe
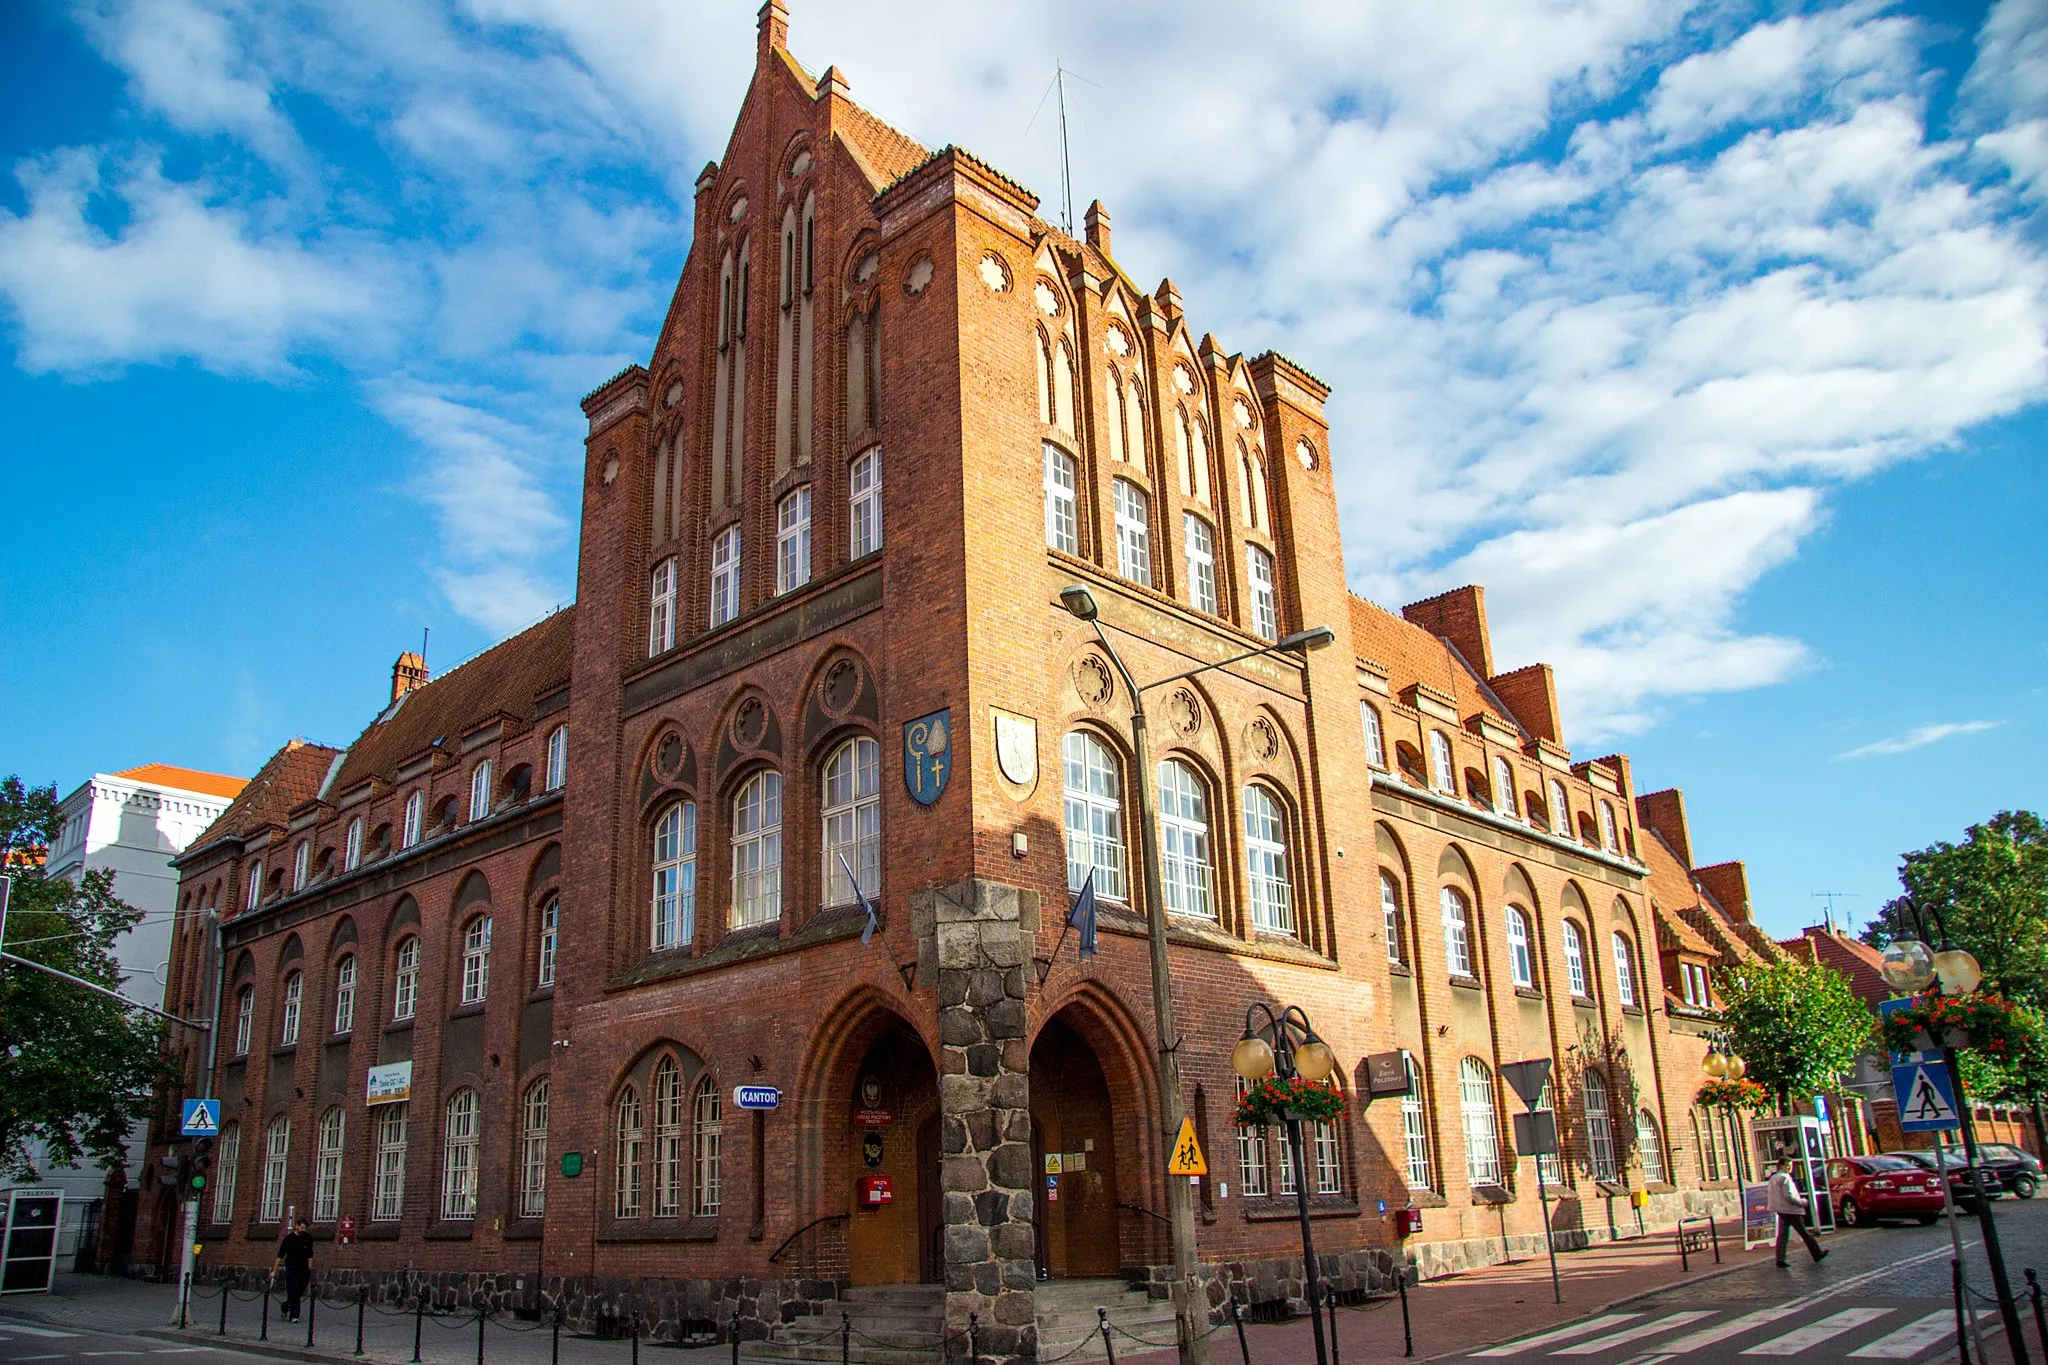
{"type": "Point", "coordinates": [1252, 1059]}
{"type": "Point", "coordinates": [1737, 1068]}
{"type": "Point", "coordinates": [1715, 1064]}
{"type": "Point", "coordinates": [1313, 1060]}
{"type": "Point", "coordinates": [1959, 971]}
{"type": "Point", "coordinates": [1907, 965]}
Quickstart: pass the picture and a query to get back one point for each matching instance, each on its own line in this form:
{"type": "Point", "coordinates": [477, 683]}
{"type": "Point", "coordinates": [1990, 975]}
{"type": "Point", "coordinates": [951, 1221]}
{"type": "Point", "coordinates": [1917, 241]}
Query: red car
{"type": "Point", "coordinates": [1867, 1188]}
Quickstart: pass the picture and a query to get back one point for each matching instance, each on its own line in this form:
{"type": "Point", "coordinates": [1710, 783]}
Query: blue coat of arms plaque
{"type": "Point", "coordinates": [928, 755]}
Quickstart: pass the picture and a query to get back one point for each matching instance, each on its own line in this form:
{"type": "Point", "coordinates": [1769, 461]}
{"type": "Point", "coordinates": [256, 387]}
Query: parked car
{"type": "Point", "coordinates": [1865, 1189]}
{"type": "Point", "coordinates": [2020, 1171]}
{"type": "Point", "coordinates": [1959, 1176]}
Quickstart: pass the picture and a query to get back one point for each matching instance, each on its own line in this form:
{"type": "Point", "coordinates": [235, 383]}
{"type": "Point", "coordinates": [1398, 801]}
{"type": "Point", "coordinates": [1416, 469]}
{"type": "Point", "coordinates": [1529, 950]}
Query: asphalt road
{"type": "Point", "coordinates": [23, 1342]}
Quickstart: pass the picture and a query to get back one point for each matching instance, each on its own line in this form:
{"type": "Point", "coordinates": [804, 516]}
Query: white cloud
{"type": "Point", "coordinates": [1921, 737]}
{"type": "Point", "coordinates": [185, 61]}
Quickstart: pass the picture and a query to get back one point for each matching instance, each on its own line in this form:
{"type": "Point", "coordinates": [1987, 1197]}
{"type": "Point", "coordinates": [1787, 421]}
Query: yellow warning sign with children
{"type": "Point", "coordinates": [1187, 1153]}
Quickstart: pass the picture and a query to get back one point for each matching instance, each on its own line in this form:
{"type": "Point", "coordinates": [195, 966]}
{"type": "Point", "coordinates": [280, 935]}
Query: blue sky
{"type": "Point", "coordinates": [1712, 339]}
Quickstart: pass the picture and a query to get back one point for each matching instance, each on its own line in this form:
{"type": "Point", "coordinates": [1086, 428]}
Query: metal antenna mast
{"type": "Point", "coordinates": [1831, 897]}
{"type": "Point", "coordinates": [1059, 77]}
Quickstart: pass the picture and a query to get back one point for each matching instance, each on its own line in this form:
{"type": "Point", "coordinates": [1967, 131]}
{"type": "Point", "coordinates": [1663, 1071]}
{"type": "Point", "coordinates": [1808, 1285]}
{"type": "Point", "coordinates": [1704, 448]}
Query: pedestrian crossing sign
{"type": "Point", "coordinates": [202, 1119]}
{"type": "Point", "coordinates": [1187, 1153]}
{"type": "Point", "coordinates": [1925, 1095]}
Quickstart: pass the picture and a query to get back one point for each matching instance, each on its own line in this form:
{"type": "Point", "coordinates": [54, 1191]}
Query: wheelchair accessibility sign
{"type": "Point", "coordinates": [202, 1119]}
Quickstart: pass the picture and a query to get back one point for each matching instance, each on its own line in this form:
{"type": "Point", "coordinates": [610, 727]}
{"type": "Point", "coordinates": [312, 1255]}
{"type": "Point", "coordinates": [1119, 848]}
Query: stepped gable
{"type": "Point", "coordinates": [291, 778]}
{"type": "Point", "coordinates": [1411, 655]}
{"type": "Point", "coordinates": [505, 679]}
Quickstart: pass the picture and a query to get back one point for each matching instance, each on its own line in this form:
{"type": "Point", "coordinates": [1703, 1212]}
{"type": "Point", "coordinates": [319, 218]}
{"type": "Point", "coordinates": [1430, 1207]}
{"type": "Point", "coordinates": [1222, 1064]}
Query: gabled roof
{"type": "Point", "coordinates": [1412, 655]}
{"type": "Point", "coordinates": [1852, 957]}
{"type": "Point", "coordinates": [185, 780]}
{"type": "Point", "coordinates": [291, 778]}
{"type": "Point", "coordinates": [889, 152]}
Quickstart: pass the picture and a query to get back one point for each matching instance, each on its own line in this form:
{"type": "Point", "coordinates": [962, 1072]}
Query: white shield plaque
{"type": "Point", "coordinates": [1017, 747]}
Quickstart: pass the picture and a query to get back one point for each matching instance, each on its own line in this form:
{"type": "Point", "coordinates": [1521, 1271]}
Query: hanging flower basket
{"type": "Point", "coordinates": [1273, 1100]}
{"type": "Point", "coordinates": [1743, 1094]}
{"type": "Point", "coordinates": [1990, 1023]}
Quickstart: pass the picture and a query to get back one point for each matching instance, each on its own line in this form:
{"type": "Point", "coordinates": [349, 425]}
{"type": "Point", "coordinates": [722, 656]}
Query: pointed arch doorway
{"type": "Point", "coordinates": [894, 1135]}
{"type": "Point", "coordinates": [1073, 1129]}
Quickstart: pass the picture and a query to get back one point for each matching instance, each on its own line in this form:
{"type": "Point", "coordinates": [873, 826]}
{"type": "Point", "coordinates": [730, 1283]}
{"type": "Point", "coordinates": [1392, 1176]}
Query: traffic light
{"type": "Point", "coordinates": [202, 1162]}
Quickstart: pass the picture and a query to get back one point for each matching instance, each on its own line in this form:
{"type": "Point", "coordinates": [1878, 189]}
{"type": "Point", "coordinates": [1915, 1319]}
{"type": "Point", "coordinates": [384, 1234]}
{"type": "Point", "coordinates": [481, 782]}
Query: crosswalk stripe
{"type": "Point", "coordinates": [1910, 1340]}
{"type": "Point", "coordinates": [1578, 1329]}
{"type": "Point", "coordinates": [29, 1331]}
{"type": "Point", "coordinates": [1734, 1327]}
{"type": "Point", "coordinates": [1635, 1333]}
{"type": "Point", "coordinates": [1792, 1343]}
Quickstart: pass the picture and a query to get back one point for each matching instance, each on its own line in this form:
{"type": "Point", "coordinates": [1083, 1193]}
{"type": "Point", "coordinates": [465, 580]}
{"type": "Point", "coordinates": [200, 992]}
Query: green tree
{"type": "Point", "coordinates": [1798, 1025]}
{"type": "Point", "coordinates": [1991, 892]}
{"type": "Point", "coordinates": [76, 1069]}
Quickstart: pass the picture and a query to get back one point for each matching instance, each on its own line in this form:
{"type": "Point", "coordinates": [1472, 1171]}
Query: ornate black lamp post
{"type": "Point", "coordinates": [1287, 1047]}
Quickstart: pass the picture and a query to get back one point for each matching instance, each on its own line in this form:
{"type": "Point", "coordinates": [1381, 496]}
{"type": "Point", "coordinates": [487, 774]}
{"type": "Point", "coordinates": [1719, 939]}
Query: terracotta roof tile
{"type": "Point", "coordinates": [1852, 957]}
{"type": "Point", "coordinates": [291, 778]}
{"type": "Point", "coordinates": [890, 153]}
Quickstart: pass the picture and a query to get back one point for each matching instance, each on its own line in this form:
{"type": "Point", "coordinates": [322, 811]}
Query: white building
{"type": "Point", "coordinates": [131, 824]}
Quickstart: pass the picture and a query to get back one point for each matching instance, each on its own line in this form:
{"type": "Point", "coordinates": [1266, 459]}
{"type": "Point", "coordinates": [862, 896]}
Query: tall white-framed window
{"type": "Point", "coordinates": [1696, 985]}
{"type": "Point", "coordinates": [1503, 786]}
{"type": "Point", "coordinates": [1457, 914]}
{"type": "Point", "coordinates": [1549, 1167]}
{"type": "Point", "coordinates": [480, 790]}
{"type": "Point", "coordinates": [302, 865]}
{"type": "Point", "coordinates": [1094, 816]}
{"type": "Point", "coordinates": [1624, 970]}
{"type": "Point", "coordinates": [415, 819]}
{"type": "Point", "coordinates": [707, 1133]}
{"type": "Point", "coordinates": [345, 994]}
{"type": "Point", "coordinates": [1482, 1134]}
{"type": "Point", "coordinates": [1443, 764]}
{"type": "Point", "coordinates": [245, 1019]}
{"type": "Point", "coordinates": [550, 937]}
{"type": "Point", "coordinates": [1184, 841]}
{"type": "Point", "coordinates": [1133, 531]}
{"type": "Point", "coordinates": [1251, 1154]}
{"type": "Point", "coordinates": [255, 884]}
{"type": "Point", "coordinates": [1390, 910]}
{"type": "Point", "coordinates": [793, 540]}
{"type": "Point", "coordinates": [1329, 1172]}
{"type": "Point", "coordinates": [1200, 543]}
{"type": "Point", "coordinates": [725, 576]}
{"type": "Point", "coordinates": [1375, 735]}
{"type": "Point", "coordinates": [1650, 1147]}
{"type": "Point", "coordinates": [277, 1150]}
{"type": "Point", "coordinates": [853, 820]}
{"type": "Point", "coordinates": [227, 1163]}
{"type": "Point", "coordinates": [1610, 833]}
{"type": "Point", "coordinates": [1521, 962]}
{"type": "Point", "coordinates": [627, 1135]}
{"type": "Point", "coordinates": [757, 851]}
{"type": "Point", "coordinates": [533, 1151]}
{"type": "Point", "coordinates": [405, 981]}
{"type": "Point", "coordinates": [864, 503]}
{"type": "Point", "coordinates": [661, 608]}
{"type": "Point", "coordinates": [666, 1094]}
{"type": "Point", "coordinates": [1574, 958]}
{"type": "Point", "coordinates": [352, 846]}
{"type": "Point", "coordinates": [1061, 526]}
{"type": "Point", "coordinates": [327, 1147]}
{"type": "Point", "coordinates": [558, 759]}
{"type": "Point", "coordinates": [294, 1004]}
{"type": "Point", "coordinates": [1265, 603]}
{"type": "Point", "coordinates": [458, 1157]}
{"type": "Point", "coordinates": [476, 960]}
{"type": "Point", "coordinates": [387, 1196]}
{"type": "Point", "coordinates": [1265, 851]}
{"type": "Point", "coordinates": [1415, 1128]}
{"type": "Point", "coordinates": [1560, 809]}
{"type": "Point", "coordinates": [675, 876]}
{"type": "Point", "coordinates": [1599, 1127]}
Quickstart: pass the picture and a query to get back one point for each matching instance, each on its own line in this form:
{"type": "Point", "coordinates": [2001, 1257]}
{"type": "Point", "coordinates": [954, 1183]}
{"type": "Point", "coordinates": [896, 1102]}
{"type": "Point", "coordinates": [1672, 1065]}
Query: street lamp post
{"type": "Point", "coordinates": [1294, 1050]}
{"type": "Point", "coordinates": [1190, 1307]}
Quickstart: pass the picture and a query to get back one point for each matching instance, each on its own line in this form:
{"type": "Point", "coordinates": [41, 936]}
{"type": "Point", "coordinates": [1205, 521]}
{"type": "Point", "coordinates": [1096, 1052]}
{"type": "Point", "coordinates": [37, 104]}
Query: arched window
{"type": "Point", "coordinates": [1184, 841]}
{"type": "Point", "coordinates": [864, 502]}
{"type": "Point", "coordinates": [1063, 389]}
{"type": "Point", "coordinates": [1599, 1128]}
{"type": "Point", "coordinates": [1503, 786]}
{"type": "Point", "coordinates": [345, 994]}
{"type": "Point", "coordinates": [757, 851]}
{"type": "Point", "coordinates": [1549, 1169]}
{"type": "Point", "coordinates": [1184, 450]}
{"type": "Point", "coordinates": [387, 1199]}
{"type": "Point", "coordinates": [405, 982]}
{"type": "Point", "coordinates": [1265, 852]}
{"type": "Point", "coordinates": [675, 876]}
{"type": "Point", "coordinates": [458, 1157]}
{"type": "Point", "coordinates": [327, 1165]}
{"type": "Point", "coordinates": [1482, 1135]}
{"type": "Point", "coordinates": [1375, 735]}
{"type": "Point", "coordinates": [707, 1130]}
{"type": "Point", "coordinates": [255, 884]}
{"type": "Point", "coordinates": [1133, 532]}
{"type": "Point", "coordinates": [725, 576]}
{"type": "Point", "coordinates": [533, 1151]}
{"type": "Point", "coordinates": [245, 1019]}
{"type": "Point", "coordinates": [277, 1150]}
{"type": "Point", "coordinates": [1650, 1146]}
{"type": "Point", "coordinates": [415, 819]}
{"type": "Point", "coordinates": [1560, 809]}
{"type": "Point", "coordinates": [1265, 604]}
{"type": "Point", "coordinates": [352, 846]}
{"type": "Point", "coordinates": [1060, 525]}
{"type": "Point", "coordinates": [480, 790]}
{"type": "Point", "coordinates": [1390, 908]}
{"type": "Point", "coordinates": [666, 1093]}
{"type": "Point", "coordinates": [661, 610]}
{"type": "Point", "coordinates": [1457, 913]}
{"type": "Point", "coordinates": [1251, 1154]}
{"type": "Point", "coordinates": [1705, 1144]}
{"type": "Point", "coordinates": [476, 960]}
{"type": "Point", "coordinates": [1443, 770]}
{"type": "Point", "coordinates": [302, 865]}
{"type": "Point", "coordinates": [793, 540]}
{"type": "Point", "coordinates": [1624, 970]}
{"type": "Point", "coordinates": [626, 1138]}
{"type": "Point", "coordinates": [294, 1000]}
{"type": "Point", "coordinates": [558, 759]}
{"type": "Point", "coordinates": [1046, 407]}
{"type": "Point", "coordinates": [1610, 835]}
{"type": "Point", "coordinates": [1415, 1127]}
{"type": "Point", "coordinates": [1113, 393]}
{"type": "Point", "coordinates": [1134, 433]}
{"type": "Point", "coordinates": [1095, 816]}
{"type": "Point", "coordinates": [853, 820]}
{"type": "Point", "coordinates": [1521, 963]}
{"type": "Point", "coordinates": [227, 1161]}
{"type": "Point", "coordinates": [550, 935]}
{"type": "Point", "coordinates": [1574, 959]}
{"type": "Point", "coordinates": [1201, 555]}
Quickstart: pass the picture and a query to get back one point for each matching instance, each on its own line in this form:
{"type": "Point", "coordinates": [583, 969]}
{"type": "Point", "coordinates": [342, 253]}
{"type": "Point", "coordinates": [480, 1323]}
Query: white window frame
{"type": "Point", "coordinates": [1575, 960]}
{"type": "Point", "coordinates": [293, 1010]}
{"type": "Point", "coordinates": [476, 961]}
{"type": "Point", "coordinates": [1650, 1147]}
{"type": "Point", "coordinates": [352, 846]}
{"type": "Point", "coordinates": [1456, 909]}
{"type": "Point", "coordinates": [1375, 735]}
{"type": "Point", "coordinates": [558, 759]}
{"type": "Point", "coordinates": [725, 576]}
{"type": "Point", "coordinates": [1251, 1155]}
{"type": "Point", "coordinates": [1624, 970]}
{"type": "Point", "coordinates": [661, 608]}
{"type": "Point", "coordinates": [707, 1140]}
{"type": "Point", "coordinates": [405, 981]}
{"type": "Point", "coordinates": [1061, 524]}
{"type": "Point", "coordinates": [1560, 809]}
{"type": "Point", "coordinates": [277, 1154]}
{"type": "Point", "coordinates": [255, 884]}
{"type": "Point", "coordinates": [302, 865]}
{"type": "Point", "coordinates": [1094, 815]}
{"type": "Point", "coordinates": [1610, 832]}
{"type": "Point", "coordinates": [1521, 952]}
{"type": "Point", "coordinates": [328, 1141]}
{"type": "Point", "coordinates": [227, 1161]}
{"type": "Point", "coordinates": [245, 1020]}
{"type": "Point", "coordinates": [864, 504]}
{"type": "Point", "coordinates": [1133, 513]}
{"type": "Point", "coordinates": [533, 1150]}
{"type": "Point", "coordinates": [345, 994]}
{"type": "Point", "coordinates": [1482, 1129]}
{"type": "Point", "coordinates": [387, 1201]}
{"type": "Point", "coordinates": [1268, 876]}
{"type": "Point", "coordinates": [757, 850]}
{"type": "Point", "coordinates": [851, 815]}
{"type": "Point", "coordinates": [673, 922]}
{"type": "Point", "coordinates": [1415, 1129]}
{"type": "Point", "coordinates": [1265, 603]}
{"type": "Point", "coordinates": [1186, 870]}
{"type": "Point", "coordinates": [1200, 546]}
{"type": "Point", "coordinates": [628, 1136]}
{"type": "Point", "coordinates": [1329, 1163]}
{"type": "Point", "coordinates": [793, 540]}
{"type": "Point", "coordinates": [1549, 1165]}
{"type": "Point", "coordinates": [665, 1098]}
{"type": "Point", "coordinates": [1390, 909]}
{"type": "Point", "coordinates": [414, 819]}
{"type": "Point", "coordinates": [1504, 798]}
{"type": "Point", "coordinates": [480, 790]}
{"type": "Point", "coordinates": [1599, 1128]}
{"type": "Point", "coordinates": [550, 939]}
{"type": "Point", "coordinates": [460, 1140]}
{"type": "Point", "coordinates": [1443, 764]}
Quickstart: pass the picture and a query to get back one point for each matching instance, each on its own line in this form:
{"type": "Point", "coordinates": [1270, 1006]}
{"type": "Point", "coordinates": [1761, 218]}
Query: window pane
{"type": "Point", "coordinates": [1265, 607]}
{"type": "Point", "coordinates": [1201, 553]}
{"type": "Point", "coordinates": [1482, 1137]}
{"type": "Point", "coordinates": [1265, 840]}
{"type": "Point", "coordinates": [1184, 841]}
{"type": "Point", "coordinates": [1060, 529]}
{"type": "Point", "coordinates": [1133, 532]}
{"type": "Point", "coordinates": [1094, 816]}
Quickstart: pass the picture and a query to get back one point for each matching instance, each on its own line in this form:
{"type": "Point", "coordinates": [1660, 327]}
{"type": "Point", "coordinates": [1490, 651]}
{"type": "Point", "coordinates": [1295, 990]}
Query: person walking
{"type": "Point", "coordinates": [1783, 1198]}
{"type": "Point", "coordinates": [295, 1259]}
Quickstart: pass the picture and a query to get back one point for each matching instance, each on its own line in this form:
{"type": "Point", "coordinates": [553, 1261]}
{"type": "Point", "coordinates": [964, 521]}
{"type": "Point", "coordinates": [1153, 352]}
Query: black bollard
{"type": "Point", "coordinates": [419, 1312]}
{"type": "Point", "coordinates": [480, 1316]}
{"type": "Point", "coordinates": [1243, 1348]}
{"type": "Point", "coordinates": [1408, 1332]}
{"type": "Point", "coordinates": [845, 1337]}
{"type": "Point", "coordinates": [184, 1299]}
{"type": "Point", "coordinates": [263, 1333]}
{"type": "Point", "coordinates": [974, 1339]}
{"type": "Point", "coordinates": [223, 1308]}
{"type": "Point", "coordinates": [312, 1309]}
{"type": "Point", "coordinates": [635, 1311]}
{"type": "Point", "coordinates": [2040, 1320]}
{"type": "Point", "coordinates": [362, 1294]}
{"type": "Point", "coordinates": [1330, 1298]}
{"type": "Point", "coordinates": [734, 1333]}
{"type": "Point", "coordinates": [555, 1338]}
{"type": "Point", "coordinates": [1108, 1346]}
{"type": "Point", "coordinates": [1955, 1280]}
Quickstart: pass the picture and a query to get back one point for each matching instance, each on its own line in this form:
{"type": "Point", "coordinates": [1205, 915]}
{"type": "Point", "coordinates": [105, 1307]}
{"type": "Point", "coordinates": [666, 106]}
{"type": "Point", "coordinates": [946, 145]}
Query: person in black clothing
{"type": "Point", "coordinates": [295, 1259]}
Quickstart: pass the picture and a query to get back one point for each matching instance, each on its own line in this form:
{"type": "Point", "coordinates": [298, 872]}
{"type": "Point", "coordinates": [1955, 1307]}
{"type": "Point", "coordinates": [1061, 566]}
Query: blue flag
{"type": "Point", "coordinates": [1082, 916]}
{"type": "Point", "coordinates": [867, 932]}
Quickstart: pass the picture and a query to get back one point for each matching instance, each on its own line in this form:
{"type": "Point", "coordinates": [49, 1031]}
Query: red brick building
{"type": "Point", "coordinates": [574, 892]}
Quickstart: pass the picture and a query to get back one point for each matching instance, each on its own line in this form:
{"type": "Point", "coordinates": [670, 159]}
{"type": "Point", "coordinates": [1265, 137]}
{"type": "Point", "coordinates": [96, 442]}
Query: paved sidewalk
{"type": "Point", "coordinates": [104, 1303]}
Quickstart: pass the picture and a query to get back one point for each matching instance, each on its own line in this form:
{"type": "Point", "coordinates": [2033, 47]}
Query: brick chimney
{"type": "Point", "coordinates": [1531, 693]}
{"type": "Point", "coordinates": [1097, 220]}
{"type": "Point", "coordinates": [1727, 883]}
{"type": "Point", "coordinates": [1664, 812]}
{"type": "Point", "coordinates": [1460, 617]}
{"type": "Point", "coordinates": [409, 672]}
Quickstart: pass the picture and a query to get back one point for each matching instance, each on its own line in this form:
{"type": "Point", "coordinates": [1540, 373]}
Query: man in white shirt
{"type": "Point", "coordinates": [1782, 1197]}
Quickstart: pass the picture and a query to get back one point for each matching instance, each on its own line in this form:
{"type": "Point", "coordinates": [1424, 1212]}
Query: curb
{"type": "Point", "coordinates": [254, 1348]}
